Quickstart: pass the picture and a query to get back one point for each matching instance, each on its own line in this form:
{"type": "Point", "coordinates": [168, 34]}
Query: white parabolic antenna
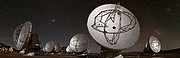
{"type": "Point", "coordinates": [57, 47]}
{"type": "Point", "coordinates": [154, 44]}
{"type": "Point", "coordinates": [113, 26]}
{"type": "Point", "coordinates": [68, 49]}
{"type": "Point", "coordinates": [79, 43]}
{"type": "Point", "coordinates": [22, 35]}
{"type": "Point", "coordinates": [49, 46]}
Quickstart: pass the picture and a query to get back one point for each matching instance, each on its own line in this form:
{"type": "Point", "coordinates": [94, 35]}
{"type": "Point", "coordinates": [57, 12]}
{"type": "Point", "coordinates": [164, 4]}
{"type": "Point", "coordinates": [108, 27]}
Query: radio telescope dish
{"type": "Point", "coordinates": [68, 49]}
{"type": "Point", "coordinates": [22, 35]}
{"type": "Point", "coordinates": [57, 47]}
{"type": "Point", "coordinates": [154, 44]}
{"type": "Point", "coordinates": [113, 26]}
{"type": "Point", "coordinates": [49, 46]}
{"type": "Point", "coordinates": [79, 43]}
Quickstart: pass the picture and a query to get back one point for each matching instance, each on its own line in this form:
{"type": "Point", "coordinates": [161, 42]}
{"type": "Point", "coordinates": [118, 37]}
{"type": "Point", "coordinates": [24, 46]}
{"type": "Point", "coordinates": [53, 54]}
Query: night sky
{"type": "Point", "coordinates": [59, 20]}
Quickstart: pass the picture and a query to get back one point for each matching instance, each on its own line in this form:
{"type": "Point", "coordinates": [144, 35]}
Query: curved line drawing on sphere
{"type": "Point", "coordinates": [111, 13]}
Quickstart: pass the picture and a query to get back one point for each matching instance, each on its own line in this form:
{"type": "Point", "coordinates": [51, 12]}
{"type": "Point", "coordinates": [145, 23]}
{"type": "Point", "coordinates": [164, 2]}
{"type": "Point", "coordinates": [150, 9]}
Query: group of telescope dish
{"type": "Point", "coordinates": [112, 26]}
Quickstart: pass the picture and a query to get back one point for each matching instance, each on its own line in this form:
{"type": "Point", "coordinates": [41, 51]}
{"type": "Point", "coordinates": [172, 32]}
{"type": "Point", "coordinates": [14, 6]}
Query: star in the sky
{"type": "Point", "coordinates": [168, 9]}
{"type": "Point", "coordinates": [53, 20]}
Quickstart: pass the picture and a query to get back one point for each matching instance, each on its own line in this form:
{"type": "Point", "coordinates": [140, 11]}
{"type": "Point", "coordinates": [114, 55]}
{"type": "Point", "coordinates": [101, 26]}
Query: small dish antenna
{"type": "Point", "coordinates": [79, 43]}
{"type": "Point", "coordinates": [68, 49]}
{"type": "Point", "coordinates": [58, 47]}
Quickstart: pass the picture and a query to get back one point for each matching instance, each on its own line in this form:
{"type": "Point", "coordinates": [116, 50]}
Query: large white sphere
{"type": "Point", "coordinates": [57, 47]}
{"type": "Point", "coordinates": [113, 26]}
{"type": "Point", "coordinates": [49, 46]}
